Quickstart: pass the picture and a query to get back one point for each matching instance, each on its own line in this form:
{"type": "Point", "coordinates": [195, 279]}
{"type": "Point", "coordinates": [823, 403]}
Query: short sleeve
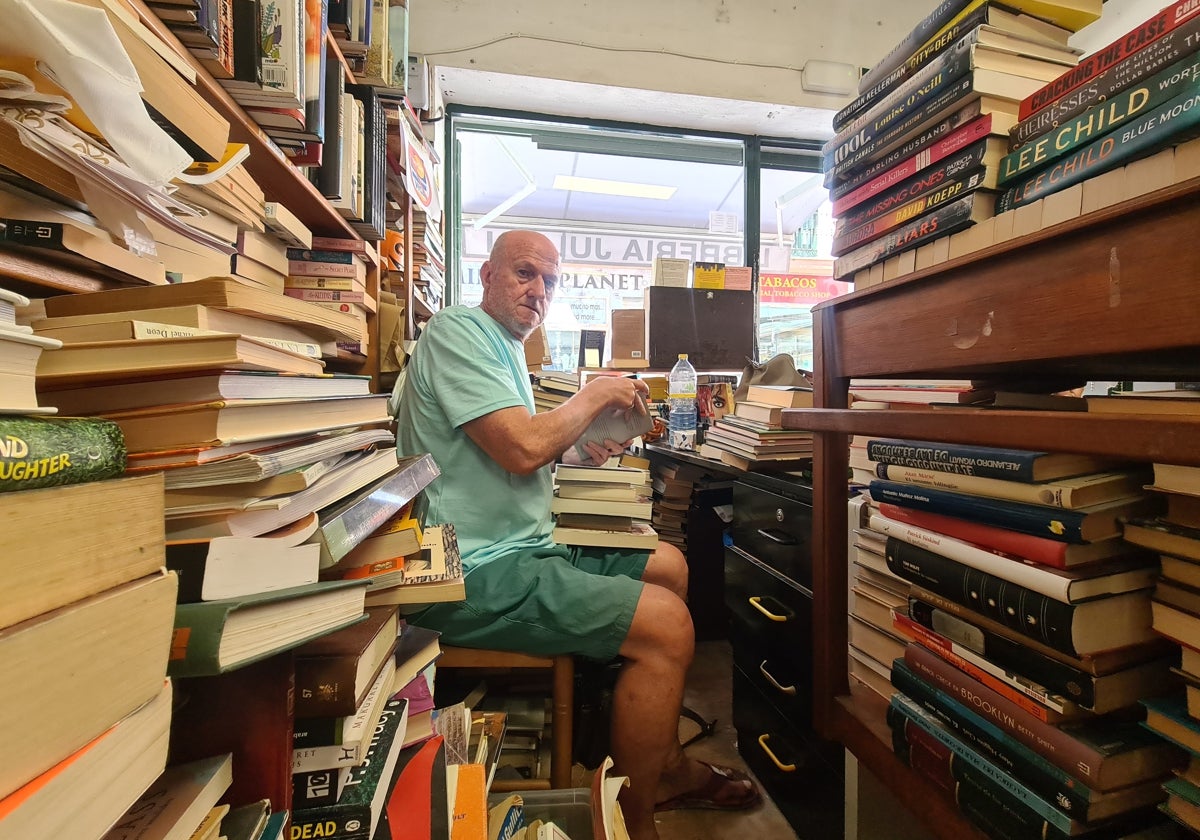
{"type": "Point", "coordinates": [466, 369]}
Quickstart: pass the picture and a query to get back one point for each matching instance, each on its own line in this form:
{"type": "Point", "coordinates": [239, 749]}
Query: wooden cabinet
{"type": "Point", "coordinates": [771, 629]}
{"type": "Point", "coordinates": [1112, 295]}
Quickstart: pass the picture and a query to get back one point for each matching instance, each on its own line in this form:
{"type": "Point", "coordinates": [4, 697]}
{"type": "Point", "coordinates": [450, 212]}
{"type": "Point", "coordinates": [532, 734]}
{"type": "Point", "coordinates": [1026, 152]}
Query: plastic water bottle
{"type": "Point", "coordinates": [682, 395]}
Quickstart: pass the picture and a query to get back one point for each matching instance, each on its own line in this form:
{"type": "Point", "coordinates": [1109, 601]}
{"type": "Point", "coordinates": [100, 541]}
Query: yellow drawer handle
{"type": "Point", "coordinates": [762, 742]}
{"type": "Point", "coordinates": [756, 602]}
{"type": "Point", "coordinates": [789, 690]}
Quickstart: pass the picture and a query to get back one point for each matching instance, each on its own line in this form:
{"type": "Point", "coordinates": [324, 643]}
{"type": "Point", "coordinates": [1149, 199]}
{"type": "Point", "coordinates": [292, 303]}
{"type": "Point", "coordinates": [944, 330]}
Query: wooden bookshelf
{"type": "Point", "coordinates": [266, 164]}
{"type": "Point", "coordinates": [1107, 296]}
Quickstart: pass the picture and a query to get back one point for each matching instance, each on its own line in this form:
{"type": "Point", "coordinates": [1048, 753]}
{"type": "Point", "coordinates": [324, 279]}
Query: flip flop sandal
{"type": "Point", "coordinates": [725, 790]}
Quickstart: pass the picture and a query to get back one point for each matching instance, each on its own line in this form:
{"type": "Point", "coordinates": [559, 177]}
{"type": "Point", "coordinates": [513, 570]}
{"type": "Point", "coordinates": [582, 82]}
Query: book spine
{"type": "Point", "coordinates": [910, 43]}
{"type": "Point", "coordinates": [942, 221]}
{"type": "Point", "coordinates": [1105, 117]}
{"type": "Point", "coordinates": [902, 172]}
{"type": "Point", "coordinates": [961, 459]}
{"type": "Point", "coordinates": [1093, 65]}
{"type": "Point", "coordinates": [909, 98]}
{"type": "Point", "coordinates": [973, 16]}
{"type": "Point", "coordinates": [843, 183]}
{"type": "Point", "coordinates": [941, 186]}
{"type": "Point", "coordinates": [1060, 677]}
{"type": "Point", "coordinates": [55, 451]}
{"type": "Point", "coordinates": [1035, 699]}
{"type": "Point", "coordinates": [317, 732]}
{"type": "Point", "coordinates": [325, 687]}
{"type": "Point", "coordinates": [1029, 613]}
{"type": "Point", "coordinates": [1047, 494]}
{"type": "Point", "coordinates": [976, 768]}
{"type": "Point", "coordinates": [1026, 546]}
{"type": "Point", "coordinates": [247, 67]}
{"type": "Point", "coordinates": [328, 295]}
{"type": "Point", "coordinates": [997, 812]}
{"type": "Point", "coordinates": [921, 751]}
{"type": "Point", "coordinates": [330, 243]}
{"type": "Point", "coordinates": [318, 788]}
{"type": "Point", "coordinates": [1050, 523]}
{"type": "Point", "coordinates": [312, 268]}
{"type": "Point", "coordinates": [1036, 578]}
{"type": "Point", "coordinates": [338, 257]}
{"type": "Point", "coordinates": [302, 348]}
{"type": "Point", "coordinates": [981, 717]}
{"type": "Point", "coordinates": [344, 284]}
{"type": "Point", "coordinates": [1176, 46]}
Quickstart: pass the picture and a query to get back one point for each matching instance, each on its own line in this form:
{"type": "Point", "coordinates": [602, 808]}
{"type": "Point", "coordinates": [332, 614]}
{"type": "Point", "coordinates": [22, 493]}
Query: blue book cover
{"type": "Point", "coordinates": [984, 461]}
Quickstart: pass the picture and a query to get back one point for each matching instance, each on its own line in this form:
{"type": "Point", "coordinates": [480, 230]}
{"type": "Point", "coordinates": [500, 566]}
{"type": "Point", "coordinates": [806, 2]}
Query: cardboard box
{"type": "Point", "coordinates": [537, 349]}
{"type": "Point", "coordinates": [628, 334]}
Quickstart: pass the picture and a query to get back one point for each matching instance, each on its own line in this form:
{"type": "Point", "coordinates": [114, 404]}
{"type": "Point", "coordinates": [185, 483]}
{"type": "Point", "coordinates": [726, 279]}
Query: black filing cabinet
{"type": "Point", "coordinates": [768, 580]}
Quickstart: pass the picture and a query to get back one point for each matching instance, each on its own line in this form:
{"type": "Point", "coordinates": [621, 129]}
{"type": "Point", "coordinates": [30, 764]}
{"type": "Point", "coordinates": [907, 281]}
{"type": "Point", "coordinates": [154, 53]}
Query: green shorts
{"type": "Point", "coordinates": [546, 601]}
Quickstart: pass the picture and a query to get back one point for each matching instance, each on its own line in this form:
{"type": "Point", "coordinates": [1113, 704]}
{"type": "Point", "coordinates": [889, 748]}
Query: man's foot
{"type": "Point", "coordinates": [724, 789]}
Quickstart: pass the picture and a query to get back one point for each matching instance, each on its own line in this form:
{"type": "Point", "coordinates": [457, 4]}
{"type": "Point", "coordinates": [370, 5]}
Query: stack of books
{"type": "Point", "coordinates": [754, 435]}
{"type": "Point", "coordinates": [429, 260]}
{"type": "Point", "coordinates": [916, 155]}
{"type": "Point", "coordinates": [432, 573]}
{"type": "Point", "coordinates": [1025, 643]}
{"type": "Point", "coordinates": [552, 388]}
{"type": "Point", "coordinates": [87, 602]}
{"type": "Point", "coordinates": [333, 276]}
{"type": "Point", "coordinates": [603, 506]}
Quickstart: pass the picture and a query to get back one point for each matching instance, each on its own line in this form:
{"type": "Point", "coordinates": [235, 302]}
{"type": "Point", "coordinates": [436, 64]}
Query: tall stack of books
{"type": "Point", "coordinates": [429, 260]}
{"type": "Point", "coordinates": [333, 277]}
{"type": "Point", "coordinates": [603, 506]}
{"type": "Point", "coordinates": [754, 435]}
{"type": "Point", "coordinates": [916, 155]}
{"type": "Point", "coordinates": [86, 603]}
{"type": "Point", "coordinates": [1028, 622]}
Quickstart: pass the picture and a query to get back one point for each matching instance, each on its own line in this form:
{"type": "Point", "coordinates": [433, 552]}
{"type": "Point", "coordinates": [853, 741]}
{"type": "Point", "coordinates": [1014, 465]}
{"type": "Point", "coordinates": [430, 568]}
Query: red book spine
{"type": "Point", "coordinates": [977, 129]}
{"type": "Point", "coordinates": [1096, 63]}
{"type": "Point", "coordinates": [1036, 549]}
{"type": "Point", "coordinates": [329, 243]}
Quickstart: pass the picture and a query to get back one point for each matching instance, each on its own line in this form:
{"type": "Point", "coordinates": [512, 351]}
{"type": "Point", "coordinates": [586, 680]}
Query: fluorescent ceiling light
{"type": "Point", "coordinates": [606, 187]}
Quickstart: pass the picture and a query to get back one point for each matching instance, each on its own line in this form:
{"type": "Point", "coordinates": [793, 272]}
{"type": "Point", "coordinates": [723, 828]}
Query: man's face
{"type": "Point", "coordinates": [519, 280]}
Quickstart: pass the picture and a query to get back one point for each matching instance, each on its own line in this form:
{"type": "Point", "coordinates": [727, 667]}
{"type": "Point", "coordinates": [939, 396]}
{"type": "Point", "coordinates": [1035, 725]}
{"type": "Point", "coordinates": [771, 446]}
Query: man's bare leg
{"type": "Point", "coordinates": [646, 702]}
{"type": "Point", "coordinates": [668, 567]}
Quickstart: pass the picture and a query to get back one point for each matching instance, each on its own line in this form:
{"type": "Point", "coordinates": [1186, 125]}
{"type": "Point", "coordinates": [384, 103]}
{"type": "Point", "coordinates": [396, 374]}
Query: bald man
{"type": "Point", "coordinates": [467, 401]}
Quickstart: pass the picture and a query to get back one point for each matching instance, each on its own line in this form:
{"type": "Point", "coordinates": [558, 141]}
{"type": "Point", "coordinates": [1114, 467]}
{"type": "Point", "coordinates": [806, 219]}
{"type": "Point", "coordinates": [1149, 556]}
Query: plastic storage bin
{"type": "Point", "coordinates": [570, 809]}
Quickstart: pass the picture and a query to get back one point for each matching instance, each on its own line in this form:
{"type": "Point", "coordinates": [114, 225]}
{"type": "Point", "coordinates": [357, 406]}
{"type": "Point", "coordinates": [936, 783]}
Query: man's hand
{"type": "Point", "coordinates": [598, 454]}
{"type": "Point", "coordinates": [618, 392]}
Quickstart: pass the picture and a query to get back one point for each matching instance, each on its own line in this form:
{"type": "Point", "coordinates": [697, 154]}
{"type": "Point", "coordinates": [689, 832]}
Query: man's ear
{"type": "Point", "coordinates": [485, 273]}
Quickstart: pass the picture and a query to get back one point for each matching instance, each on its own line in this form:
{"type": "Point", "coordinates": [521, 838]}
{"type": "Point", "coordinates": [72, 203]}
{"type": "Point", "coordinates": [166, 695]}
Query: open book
{"type": "Point", "coordinates": [616, 425]}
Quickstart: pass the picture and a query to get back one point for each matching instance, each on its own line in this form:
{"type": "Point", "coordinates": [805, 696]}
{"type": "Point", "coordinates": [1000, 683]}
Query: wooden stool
{"type": "Point", "coordinates": [563, 698]}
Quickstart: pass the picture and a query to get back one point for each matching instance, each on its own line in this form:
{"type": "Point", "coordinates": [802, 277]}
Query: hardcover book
{"type": "Point", "coordinates": [54, 451]}
{"type": "Point", "coordinates": [174, 806]}
{"type": "Point", "coordinates": [986, 461]}
{"type": "Point", "coordinates": [334, 672]}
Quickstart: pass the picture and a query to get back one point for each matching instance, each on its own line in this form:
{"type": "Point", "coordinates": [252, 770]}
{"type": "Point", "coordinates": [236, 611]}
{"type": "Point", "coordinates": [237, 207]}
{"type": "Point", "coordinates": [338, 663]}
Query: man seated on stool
{"type": "Point", "coordinates": [467, 401]}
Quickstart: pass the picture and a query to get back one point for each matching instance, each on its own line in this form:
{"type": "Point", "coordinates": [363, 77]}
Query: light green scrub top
{"type": "Point", "coordinates": [466, 365]}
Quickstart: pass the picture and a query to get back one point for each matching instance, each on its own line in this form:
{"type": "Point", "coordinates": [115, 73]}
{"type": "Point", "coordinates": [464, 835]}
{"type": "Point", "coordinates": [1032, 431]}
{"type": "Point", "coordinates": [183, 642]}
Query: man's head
{"type": "Point", "coordinates": [519, 280]}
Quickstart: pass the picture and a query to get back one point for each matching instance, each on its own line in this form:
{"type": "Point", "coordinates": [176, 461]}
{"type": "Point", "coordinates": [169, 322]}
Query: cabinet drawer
{"type": "Point", "coordinates": [784, 677]}
{"type": "Point", "coordinates": [765, 603]}
{"type": "Point", "coordinates": [775, 528]}
{"type": "Point", "coordinates": [802, 775]}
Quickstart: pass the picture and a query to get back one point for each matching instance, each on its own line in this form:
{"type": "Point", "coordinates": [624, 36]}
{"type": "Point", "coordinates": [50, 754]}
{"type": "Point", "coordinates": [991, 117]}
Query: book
{"type": "Point", "coordinates": [1103, 755]}
{"type": "Point", "coordinates": [1106, 116]}
{"type": "Point", "coordinates": [1101, 693]}
{"type": "Point", "coordinates": [95, 784]}
{"type": "Point", "coordinates": [369, 784]}
{"type": "Point", "coordinates": [347, 522]}
{"type": "Point", "coordinates": [146, 330]}
{"type": "Point", "coordinates": [224, 496]}
{"type": "Point", "coordinates": [242, 420]}
{"type": "Point", "coordinates": [123, 668]}
{"type": "Point", "coordinates": [284, 224]}
{"type": "Point", "coordinates": [418, 804]}
{"type": "Point", "coordinates": [435, 574]}
{"type": "Point", "coordinates": [903, 713]}
{"type": "Point", "coordinates": [1164, 537]}
{"type": "Point", "coordinates": [469, 818]}
{"type": "Point", "coordinates": [1172, 47]}
{"type": "Point", "coordinates": [231, 567]}
{"type": "Point", "coordinates": [1179, 570]}
{"type": "Point", "coordinates": [1086, 524]}
{"type": "Point", "coordinates": [986, 461]}
{"type": "Point", "coordinates": [19, 356]}
{"type": "Point", "coordinates": [1105, 623]}
{"type": "Point", "coordinates": [352, 475]}
{"type": "Point", "coordinates": [1070, 493]}
{"type": "Point", "coordinates": [246, 822]}
{"type": "Point", "coordinates": [55, 451]}
{"type": "Point", "coordinates": [173, 807]}
{"type": "Point", "coordinates": [116, 524]}
{"type": "Point", "coordinates": [1095, 63]}
{"type": "Point", "coordinates": [399, 536]}
{"type": "Point", "coordinates": [619, 426]}
{"type": "Point", "coordinates": [1167, 715]}
{"type": "Point", "coordinates": [417, 648]}
{"type": "Point", "coordinates": [352, 734]}
{"type": "Point", "coordinates": [215, 292]}
{"type": "Point", "coordinates": [638, 535]}
{"type": "Point", "coordinates": [948, 218]}
{"type": "Point", "coordinates": [1171, 122]}
{"type": "Point", "coordinates": [600, 491]}
{"type": "Point", "coordinates": [216, 636]}
{"type": "Point", "coordinates": [785, 396]}
{"type": "Point", "coordinates": [334, 672]}
{"type": "Point", "coordinates": [1175, 623]}
{"type": "Point", "coordinates": [68, 242]}
{"type": "Point", "coordinates": [138, 359]}
{"type": "Point", "coordinates": [1116, 575]}
{"type": "Point", "coordinates": [639, 509]}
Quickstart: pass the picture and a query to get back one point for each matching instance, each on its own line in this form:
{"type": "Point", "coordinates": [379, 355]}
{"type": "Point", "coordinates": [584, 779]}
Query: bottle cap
{"type": "Point", "coordinates": [683, 356]}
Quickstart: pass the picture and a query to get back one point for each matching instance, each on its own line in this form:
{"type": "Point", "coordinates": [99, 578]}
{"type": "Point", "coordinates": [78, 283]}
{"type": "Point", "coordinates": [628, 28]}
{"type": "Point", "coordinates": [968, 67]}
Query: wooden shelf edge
{"type": "Point", "coordinates": [332, 48]}
{"type": "Point", "coordinates": [1048, 234]}
{"type": "Point", "coordinates": [856, 726]}
{"type": "Point", "coordinates": [1174, 440]}
{"type": "Point", "coordinates": [267, 164]}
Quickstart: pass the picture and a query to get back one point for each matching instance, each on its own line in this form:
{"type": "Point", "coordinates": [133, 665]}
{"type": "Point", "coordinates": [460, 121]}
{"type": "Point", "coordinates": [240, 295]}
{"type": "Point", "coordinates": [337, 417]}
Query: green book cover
{"type": "Point", "coordinates": [211, 637]}
{"type": "Point", "coordinates": [53, 451]}
{"type": "Point", "coordinates": [357, 810]}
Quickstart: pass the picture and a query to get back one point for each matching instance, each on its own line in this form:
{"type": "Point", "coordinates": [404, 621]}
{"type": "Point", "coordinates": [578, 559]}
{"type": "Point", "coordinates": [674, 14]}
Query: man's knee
{"type": "Point", "coordinates": [662, 626]}
{"type": "Point", "coordinates": [668, 568]}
